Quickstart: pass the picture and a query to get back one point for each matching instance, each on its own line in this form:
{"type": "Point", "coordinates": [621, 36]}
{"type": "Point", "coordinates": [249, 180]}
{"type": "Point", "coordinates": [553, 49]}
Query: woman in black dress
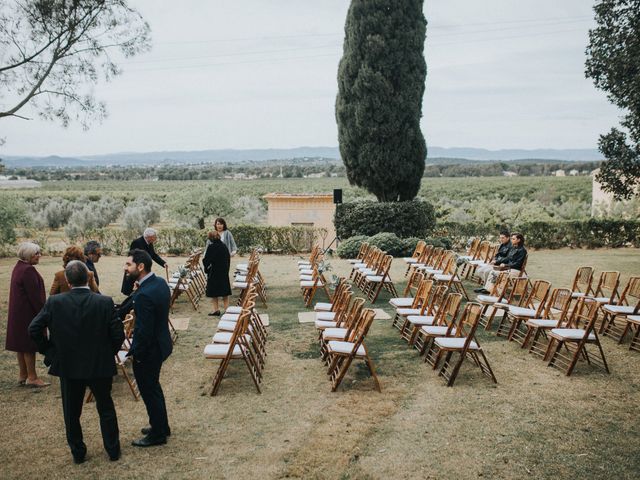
{"type": "Point", "coordinates": [216, 263]}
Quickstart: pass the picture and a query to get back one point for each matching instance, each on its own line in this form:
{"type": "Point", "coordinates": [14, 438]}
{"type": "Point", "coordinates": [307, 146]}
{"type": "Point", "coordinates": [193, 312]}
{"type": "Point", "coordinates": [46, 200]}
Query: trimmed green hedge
{"type": "Point", "coordinates": [389, 242]}
{"type": "Point", "coordinates": [181, 241]}
{"type": "Point", "coordinates": [405, 219]}
{"type": "Point", "coordinates": [593, 233]}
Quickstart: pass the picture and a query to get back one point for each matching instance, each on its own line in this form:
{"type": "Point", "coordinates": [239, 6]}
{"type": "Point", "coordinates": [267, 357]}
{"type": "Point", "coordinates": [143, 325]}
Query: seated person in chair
{"type": "Point", "coordinates": [485, 269]}
{"type": "Point", "coordinates": [513, 262]}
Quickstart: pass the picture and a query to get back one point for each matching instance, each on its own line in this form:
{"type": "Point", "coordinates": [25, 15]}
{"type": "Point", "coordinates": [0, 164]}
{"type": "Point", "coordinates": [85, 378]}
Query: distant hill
{"type": "Point", "coordinates": [437, 155]}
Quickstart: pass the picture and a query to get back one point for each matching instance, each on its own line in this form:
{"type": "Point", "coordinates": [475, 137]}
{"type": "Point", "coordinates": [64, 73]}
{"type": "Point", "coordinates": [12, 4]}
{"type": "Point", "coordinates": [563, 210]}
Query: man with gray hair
{"type": "Point", "coordinates": [84, 335]}
{"type": "Point", "coordinates": [92, 253]}
{"type": "Point", "coordinates": [145, 242]}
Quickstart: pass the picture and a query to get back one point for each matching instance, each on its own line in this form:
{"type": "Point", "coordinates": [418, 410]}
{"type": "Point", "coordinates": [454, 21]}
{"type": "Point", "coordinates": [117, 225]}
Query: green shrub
{"type": "Point", "coordinates": [592, 233]}
{"type": "Point", "coordinates": [183, 241]}
{"type": "Point", "coordinates": [350, 247]}
{"type": "Point", "coordinates": [405, 219]}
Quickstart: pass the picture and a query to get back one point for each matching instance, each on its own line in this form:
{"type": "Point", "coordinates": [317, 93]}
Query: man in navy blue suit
{"type": "Point", "coordinates": [151, 343]}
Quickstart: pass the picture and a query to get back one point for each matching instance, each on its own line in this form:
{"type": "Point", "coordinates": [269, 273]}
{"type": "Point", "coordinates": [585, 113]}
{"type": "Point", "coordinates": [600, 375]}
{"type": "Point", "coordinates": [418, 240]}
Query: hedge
{"type": "Point", "coordinates": [592, 233]}
{"type": "Point", "coordinates": [181, 241]}
{"type": "Point", "coordinates": [389, 242]}
{"type": "Point", "coordinates": [405, 219]}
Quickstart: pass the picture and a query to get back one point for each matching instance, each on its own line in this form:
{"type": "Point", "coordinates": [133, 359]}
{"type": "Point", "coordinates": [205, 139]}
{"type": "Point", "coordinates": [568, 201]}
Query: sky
{"type": "Point", "coordinates": [246, 74]}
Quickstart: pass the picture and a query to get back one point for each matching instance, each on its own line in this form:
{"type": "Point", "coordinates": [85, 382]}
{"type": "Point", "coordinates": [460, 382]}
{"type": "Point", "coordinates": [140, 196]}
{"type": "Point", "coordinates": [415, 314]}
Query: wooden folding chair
{"type": "Point", "coordinates": [329, 306]}
{"type": "Point", "coordinates": [344, 329]}
{"type": "Point", "coordinates": [451, 278]}
{"type": "Point", "coordinates": [416, 308]}
{"type": "Point", "coordinates": [309, 287]}
{"type": "Point", "coordinates": [238, 348]}
{"type": "Point", "coordinates": [342, 353]}
{"type": "Point", "coordinates": [606, 292]}
{"type": "Point", "coordinates": [532, 307]}
{"type": "Point", "coordinates": [465, 344]}
{"type": "Point", "coordinates": [480, 257]}
{"type": "Point", "coordinates": [554, 315]}
{"type": "Point", "coordinates": [515, 295]}
{"type": "Point", "coordinates": [362, 252]}
{"type": "Point", "coordinates": [498, 294]}
{"type": "Point", "coordinates": [628, 305]}
{"type": "Point", "coordinates": [336, 317]}
{"type": "Point", "coordinates": [444, 322]}
{"type": "Point", "coordinates": [426, 317]}
{"type": "Point", "coordinates": [417, 252]}
{"type": "Point", "coordinates": [568, 345]}
{"type": "Point", "coordinates": [633, 322]}
{"type": "Point", "coordinates": [581, 285]}
{"type": "Point", "coordinates": [373, 284]}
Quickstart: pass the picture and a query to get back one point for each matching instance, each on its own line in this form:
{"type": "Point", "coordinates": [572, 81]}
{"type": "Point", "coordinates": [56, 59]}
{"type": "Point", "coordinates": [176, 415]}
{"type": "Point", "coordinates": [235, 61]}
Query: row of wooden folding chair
{"type": "Point", "coordinates": [372, 275]}
{"type": "Point", "coordinates": [239, 338]}
{"type": "Point", "coordinates": [621, 318]}
{"type": "Point", "coordinates": [244, 279]}
{"type": "Point", "coordinates": [342, 341]}
{"type": "Point", "coordinates": [452, 332]}
{"type": "Point", "coordinates": [190, 280]}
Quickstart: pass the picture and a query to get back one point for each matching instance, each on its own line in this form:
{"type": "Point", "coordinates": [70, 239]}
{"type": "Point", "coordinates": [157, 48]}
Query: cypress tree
{"type": "Point", "coordinates": [381, 81]}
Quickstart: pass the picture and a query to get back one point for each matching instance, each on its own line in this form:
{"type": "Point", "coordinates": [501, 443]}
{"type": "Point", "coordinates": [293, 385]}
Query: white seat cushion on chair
{"type": "Point", "coordinates": [476, 262]}
{"type": "Point", "coordinates": [306, 271]}
{"type": "Point", "coordinates": [304, 262]}
{"type": "Point", "coordinates": [571, 333]}
{"type": "Point", "coordinates": [225, 337]}
{"type": "Point", "coordinates": [309, 283]}
{"type": "Point", "coordinates": [443, 278]}
{"type": "Point", "coordinates": [122, 356]}
{"type": "Point", "coordinates": [220, 350]}
{"type": "Point", "coordinates": [488, 299]}
{"type": "Point", "coordinates": [401, 302]}
{"type": "Point", "coordinates": [345, 347]}
{"type": "Point", "coordinates": [327, 316]}
{"type": "Point", "coordinates": [421, 319]}
{"type": "Point", "coordinates": [432, 271]}
{"type": "Point", "coordinates": [239, 285]}
{"type": "Point", "coordinates": [306, 278]}
{"type": "Point", "coordinates": [334, 333]}
{"type": "Point", "coordinates": [226, 326]}
{"type": "Point", "coordinates": [436, 330]}
{"type": "Point", "coordinates": [323, 307]}
{"type": "Point", "coordinates": [323, 324]}
{"type": "Point", "coordinates": [408, 311]}
{"type": "Point", "coordinates": [578, 295]}
{"type": "Point", "coordinates": [378, 279]}
{"type": "Point", "coordinates": [234, 309]}
{"type": "Point", "coordinates": [410, 260]}
{"type": "Point", "coordinates": [619, 309]}
{"type": "Point", "coordinates": [601, 299]}
{"type": "Point", "coordinates": [634, 318]}
{"type": "Point", "coordinates": [521, 311]}
{"type": "Point", "coordinates": [455, 342]}
{"type": "Point", "coordinates": [542, 322]}
{"type": "Point", "coordinates": [230, 317]}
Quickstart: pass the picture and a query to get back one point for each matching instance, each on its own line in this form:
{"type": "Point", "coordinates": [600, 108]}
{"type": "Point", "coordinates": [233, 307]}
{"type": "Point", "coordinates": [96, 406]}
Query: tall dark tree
{"type": "Point", "coordinates": [381, 81]}
{"type": "Point", "coordinates": [53, 51]}
{"type": "Point", "coordinates": [613, 62]}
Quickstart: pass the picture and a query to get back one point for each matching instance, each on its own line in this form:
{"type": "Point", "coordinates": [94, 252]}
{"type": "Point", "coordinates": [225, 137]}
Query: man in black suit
{"type": "Point", "coordinates": [151, 343]}
{"type": "Point", "coordinates": [145, 242]}
{"type": "Point", "coordinates": [92, 253]}
{"type": "Point", "coordinates": [84, 336]}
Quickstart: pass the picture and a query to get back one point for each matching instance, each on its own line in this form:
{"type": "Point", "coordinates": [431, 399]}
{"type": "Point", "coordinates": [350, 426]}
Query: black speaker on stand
{"type": "Point", "coordinates": [337, 199]}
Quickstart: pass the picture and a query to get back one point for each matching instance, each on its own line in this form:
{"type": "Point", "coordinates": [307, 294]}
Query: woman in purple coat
{"type": "Point", "coordinates": [26, 299]}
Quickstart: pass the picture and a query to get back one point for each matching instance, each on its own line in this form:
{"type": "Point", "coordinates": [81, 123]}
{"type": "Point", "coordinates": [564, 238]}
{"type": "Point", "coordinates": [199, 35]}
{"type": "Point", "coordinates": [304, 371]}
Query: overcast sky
{"type": "Point", "coordinates": [262, 74]}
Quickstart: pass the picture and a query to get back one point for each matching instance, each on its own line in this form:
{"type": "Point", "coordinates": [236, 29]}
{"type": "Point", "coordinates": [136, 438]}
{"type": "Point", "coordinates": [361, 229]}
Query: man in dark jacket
{"type": "Point", "coordinates": [145, 242]}
{"type": "Point", "coordinates": [151, 345]}
{"type": "Point", "coordinates": [84, 336]}
{"type": "Point", "coordinates": [483, 270]}
{"type": "Point", "coordinates": [513, 263]}
{"type": "Point", "coordinates": [92, 253]}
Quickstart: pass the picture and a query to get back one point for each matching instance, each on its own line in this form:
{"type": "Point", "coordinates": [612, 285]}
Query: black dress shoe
{"type": "Point", "coordinates": [478, 290]}
{"type": "Point", "coordinates": [147, 430]}
{"type": "Point", "coordinates": [79, 459]}
{"type": "Point", "coordinates": [149, 441]}
{"type": "Point", "coordinates": [116, 457]}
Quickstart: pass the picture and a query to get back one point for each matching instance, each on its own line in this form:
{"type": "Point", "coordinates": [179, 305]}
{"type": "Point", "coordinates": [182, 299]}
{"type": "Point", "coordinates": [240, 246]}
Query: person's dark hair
{"type": "Point", "coordinates": [221, 220]}
{"type": "Point", "coordinates": [505, 232]}
{"type": "Point", "coordinates": [141, 257]}
{"type": "Point", "coordinates": [520, 237]}
{"type": "Point", "coordinates": [91, 247]}
{"type": "Point", "coordinates": [76, 273]}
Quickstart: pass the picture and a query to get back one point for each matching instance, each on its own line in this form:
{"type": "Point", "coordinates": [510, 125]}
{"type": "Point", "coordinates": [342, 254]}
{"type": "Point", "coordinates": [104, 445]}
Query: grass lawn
{"type": "Point", "coordinates": [535, 423]}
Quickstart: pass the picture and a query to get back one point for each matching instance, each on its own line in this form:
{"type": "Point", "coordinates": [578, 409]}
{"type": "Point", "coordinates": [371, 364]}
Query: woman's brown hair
{"type": "Point", "coordinates": [72, 253]}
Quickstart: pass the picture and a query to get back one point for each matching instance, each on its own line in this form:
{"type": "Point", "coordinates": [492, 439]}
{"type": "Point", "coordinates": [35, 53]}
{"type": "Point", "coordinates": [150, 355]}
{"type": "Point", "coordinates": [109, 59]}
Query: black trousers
{"type": "Point", "coordinates": [147, 375]}
{"type": "Point", "coordinates": [73, 391]}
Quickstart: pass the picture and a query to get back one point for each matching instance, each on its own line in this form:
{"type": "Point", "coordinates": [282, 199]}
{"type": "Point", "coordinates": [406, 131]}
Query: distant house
{"type": "Point", "coordinates": [509, 174]}
{"type": "Point", "coordinates": [559, 173]}
{"type": "Point", "coordinates": [574, 172]}
{"type": "Point", "coordinates": [316, 175]}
